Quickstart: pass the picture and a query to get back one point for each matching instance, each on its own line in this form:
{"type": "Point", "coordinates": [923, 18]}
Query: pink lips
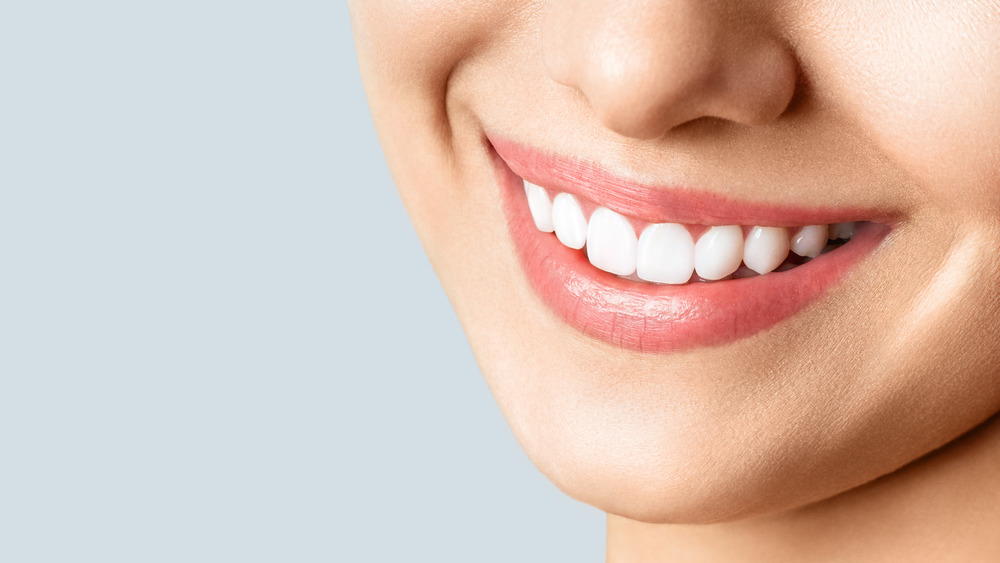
{"type": "Point", "coordinates": [655, 318]}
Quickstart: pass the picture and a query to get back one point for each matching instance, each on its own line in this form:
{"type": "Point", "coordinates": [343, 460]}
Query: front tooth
{"type": "Point", "coordinates": [841, 231]}
{"type": "Point", "coordinates": [569, 222]}
{"type": "Point", "coordinates": [540, 206]}
{"type": "Point", "coordinates": [611, 242]}
{"type": "Point", "coordinates": [765, 248]}
{"type": "Point", "coordinates": [810, 240]}
{"type": "Point", "coordinates": [718, 252]}
{"type": "Point", "coordinates": [666, 254]}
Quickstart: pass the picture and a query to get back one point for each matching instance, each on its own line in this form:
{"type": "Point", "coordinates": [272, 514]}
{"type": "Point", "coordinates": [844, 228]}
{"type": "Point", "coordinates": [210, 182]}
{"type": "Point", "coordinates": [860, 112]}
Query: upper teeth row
{"type": "Point", "coordinates": [666, 252]}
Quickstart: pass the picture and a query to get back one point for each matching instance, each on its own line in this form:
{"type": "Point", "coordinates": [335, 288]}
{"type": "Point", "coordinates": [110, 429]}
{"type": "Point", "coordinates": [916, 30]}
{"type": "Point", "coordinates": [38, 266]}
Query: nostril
{"type": "Point", "coordinates": [645, 72]}
{"type": "Point", "coordinates": [764, 89]}
{"type": "Point", "coordinates": [644, 109]}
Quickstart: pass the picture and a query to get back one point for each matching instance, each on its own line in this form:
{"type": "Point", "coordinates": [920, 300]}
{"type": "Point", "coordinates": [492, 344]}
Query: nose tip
{"type": "Point", "coordinates": [645, 71]}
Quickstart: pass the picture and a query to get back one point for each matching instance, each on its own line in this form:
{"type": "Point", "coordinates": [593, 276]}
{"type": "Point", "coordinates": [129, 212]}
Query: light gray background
{"type": "Point", "coordinates": [219, 337]}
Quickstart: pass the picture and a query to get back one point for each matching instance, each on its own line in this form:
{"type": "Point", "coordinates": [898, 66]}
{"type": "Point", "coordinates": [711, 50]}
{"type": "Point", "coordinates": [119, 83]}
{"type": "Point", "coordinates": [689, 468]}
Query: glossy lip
{"type": "Point", "coordinates": [657, 318]}
{"type": "Point", "coordinates": [665, 204]}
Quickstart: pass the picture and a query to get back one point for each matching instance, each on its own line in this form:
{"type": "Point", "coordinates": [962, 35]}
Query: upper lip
{"type": "Point", "coordinates": [663, 203]}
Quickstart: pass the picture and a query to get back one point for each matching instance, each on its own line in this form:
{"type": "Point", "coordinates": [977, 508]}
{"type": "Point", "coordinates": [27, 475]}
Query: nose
{"type": "Point", "coordinates": [646, 67]}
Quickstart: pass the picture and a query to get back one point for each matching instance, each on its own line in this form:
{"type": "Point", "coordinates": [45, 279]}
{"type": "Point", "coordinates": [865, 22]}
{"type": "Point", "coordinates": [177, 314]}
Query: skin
{"type": "Point", "coordinates": [861, 428]}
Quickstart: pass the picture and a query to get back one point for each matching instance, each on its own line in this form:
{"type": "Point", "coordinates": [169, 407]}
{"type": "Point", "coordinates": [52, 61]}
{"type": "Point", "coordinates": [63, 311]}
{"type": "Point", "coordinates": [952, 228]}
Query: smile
{"type": "Point", "coordinates": [628, 263]}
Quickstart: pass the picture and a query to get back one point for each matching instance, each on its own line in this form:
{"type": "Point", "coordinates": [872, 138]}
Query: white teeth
{"type": "Point", "coordinates": [540, 206]}
{"type": "Point", "coordinates": [611, 242]}
{"type": "Point", "coordinates": [666, 254]}
{"type": "Point", "coordinates": [765, 248]}
{"type": "Point", "coordinates": [810, 240]}
{"type": "Point", "coordinates": [718, 252]}
{"type": "Point", "coordinates": [569, 222]}
{"type": "Point", "coordinates": [841, 231]}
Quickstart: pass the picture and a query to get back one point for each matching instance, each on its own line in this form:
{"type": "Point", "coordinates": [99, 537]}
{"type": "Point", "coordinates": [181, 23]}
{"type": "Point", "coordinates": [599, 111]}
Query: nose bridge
{"type": "Point", "coordinates": [646, 67]}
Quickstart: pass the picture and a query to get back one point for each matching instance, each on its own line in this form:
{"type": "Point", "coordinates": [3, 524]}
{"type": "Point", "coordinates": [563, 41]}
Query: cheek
{"type": "Point", "coordinates": [419, 42]}
{"type": "Point", "coordinates": [924, 86]}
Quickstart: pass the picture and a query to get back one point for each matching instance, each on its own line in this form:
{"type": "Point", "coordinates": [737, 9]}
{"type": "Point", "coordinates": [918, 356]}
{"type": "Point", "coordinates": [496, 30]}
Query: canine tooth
{"type": "Point", "coordinates": [611, 242]}
{"type": "Point", "coordinates": [809, 241]}
{"type": "Point", "coordinates": [765, 248]}
{"type": "Point", "coordinates": [569, 222]}
{"type": "Point", "coordinates": [841, 231]}
{"type": "Point", "coordinates": [718, 252]}
{"type": "Point", "coordinates": [540, 206]}
{"type": "Point", "coordinates": [666, 254]}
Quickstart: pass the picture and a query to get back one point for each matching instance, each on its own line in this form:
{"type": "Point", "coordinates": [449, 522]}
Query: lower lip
{"type": "Point", "coordinates": [661, 318]}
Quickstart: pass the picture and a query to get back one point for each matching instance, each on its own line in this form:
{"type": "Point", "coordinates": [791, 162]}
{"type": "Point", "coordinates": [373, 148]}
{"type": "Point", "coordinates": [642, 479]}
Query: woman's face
{"type": "Point", "coordinates": [707, 400]}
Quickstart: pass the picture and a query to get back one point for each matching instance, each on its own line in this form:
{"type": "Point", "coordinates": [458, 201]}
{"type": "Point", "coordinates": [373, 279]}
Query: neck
{"type": "Point", "coordinates": [942, 507]}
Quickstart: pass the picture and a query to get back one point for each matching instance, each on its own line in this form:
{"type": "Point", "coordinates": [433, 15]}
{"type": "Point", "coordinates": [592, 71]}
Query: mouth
{"type": "Point", "coordinates": [663, 269]}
